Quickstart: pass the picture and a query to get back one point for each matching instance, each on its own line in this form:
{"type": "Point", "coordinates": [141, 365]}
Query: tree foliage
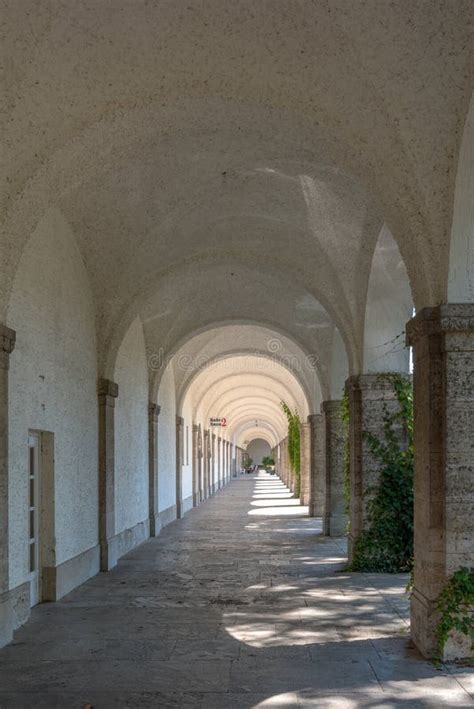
{"type": "Point", "coordinates": [293, 443]}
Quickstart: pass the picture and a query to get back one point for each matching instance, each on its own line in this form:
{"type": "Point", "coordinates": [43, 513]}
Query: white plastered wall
{"type": "Point", "coordinates": [131, 431]}
{"type": "Point", "coordinates": [187, 469]}
{"type": "Point", "coordinates": [53, 387]}
{"type": "Point", "coordinates": [167, 441]}
{"type": "Point", "coordinates": [461, 257]}
{"type": "Point", "coordinates": [389, 307]}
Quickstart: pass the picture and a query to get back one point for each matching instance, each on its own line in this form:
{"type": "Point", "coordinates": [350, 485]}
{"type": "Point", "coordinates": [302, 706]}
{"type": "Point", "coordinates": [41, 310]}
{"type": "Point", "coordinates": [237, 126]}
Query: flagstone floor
{"type": "Point", "coordinates": [241, 604]}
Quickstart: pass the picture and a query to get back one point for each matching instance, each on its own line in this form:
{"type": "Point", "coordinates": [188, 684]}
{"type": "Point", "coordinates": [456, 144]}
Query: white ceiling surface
{"type": "Point", "coordinates": [234, 164]}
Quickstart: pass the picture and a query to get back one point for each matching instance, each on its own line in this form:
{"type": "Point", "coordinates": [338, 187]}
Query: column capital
{"type": "Point", "coordinates": [179, 421]}
{"type": "Point", "coordinates": [377, 381]}
{"type": "Point", "coordinates": [331, 406]}
{"type": "Point", "coordinates": [7, 339]}
{"type": "Point", "coordinates": [107, 387]}
{"type": "Point", "coordinates": [313, 418]}
{"type": "Point", "coordinates": [450, 318]}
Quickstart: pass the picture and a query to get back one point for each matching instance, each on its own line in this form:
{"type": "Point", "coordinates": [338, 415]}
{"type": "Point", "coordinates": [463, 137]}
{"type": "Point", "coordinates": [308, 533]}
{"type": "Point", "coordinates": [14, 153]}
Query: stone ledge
{"type": "Point", "coordinates": [186, 504]}
{"type": "Point", "coordinates": [60, 580]}
{"type": "Point", "coordinates": [167, 516]}
{"type": "Point", "coordinates": [14, 611]}
{"type": "Point", "coordinates": [132, 537]}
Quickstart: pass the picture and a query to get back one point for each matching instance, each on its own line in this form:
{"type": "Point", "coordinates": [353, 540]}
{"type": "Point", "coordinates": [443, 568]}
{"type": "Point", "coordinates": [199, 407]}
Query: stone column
{"type": "Point", "coordinates": [197, 457]}
{"type": "Point", "coordinates": [155, 524]}
{"type": "Point", "coordinates": [7, 344]}
{"type": "Point", "coordinates": [443, 342]}
{"type": "Point", "coordinates": [212, 480]}
{"type": "Point", "coordinates": [108, 392]}
{"type": "Point", "coordinates": [370, 395]}
{"type": "Point", "coordinates": [179, 465]}
{"type": "Point", "coordinates": [207, 453]}
{"type": "Point", "coordinates": [305, 462]}
{"type": "Point", "coordinates": [335, 515]}
{"type": "Point", "coordinates": [317, 480]}
{"type": "Point", "coordinates": [218, 482]}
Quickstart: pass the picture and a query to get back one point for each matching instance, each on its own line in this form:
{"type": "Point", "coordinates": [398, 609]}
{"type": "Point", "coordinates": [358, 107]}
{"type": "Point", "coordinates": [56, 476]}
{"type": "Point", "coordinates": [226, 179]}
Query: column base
{"type": "Point", "coordinates": [59, 580]}
{"type": "Point", "coordinates": [108, 553]}
{"type": "Point", "coordinates": [155, 525]}
{"type": "Point", "coordinates": [335, 525]}
{"type": "Point", "coordinates": [424, 621]}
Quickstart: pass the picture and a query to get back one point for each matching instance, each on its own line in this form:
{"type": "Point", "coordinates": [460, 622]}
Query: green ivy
{"type": "Point", "coordinates": [387, 543]}
{"type": "Point", "coordinates": [293, 443]}
{"type": "Point", "coordinates": [455, 604]}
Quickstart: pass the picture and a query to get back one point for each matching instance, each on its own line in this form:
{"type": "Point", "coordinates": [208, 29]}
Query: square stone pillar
{"type": "Point", "coordinates": [443, 342]}
{"type": "Point", "coordinates": [218, 481]}
{"type": "Point", "coordinates": [335, 515]}
{"type": "Point", "coordinates": [7, 344]}
{"type": "Point", "coordinates": [197, 460]}
{"type": "Point", "coordinates": [108, 392]}
{"type": "Point", "coordinates": [179, 465]}
{"type": "Point", "coordinates": [305, 462]}
{"type": "Point", "coordinates": [207, 457]}
{"type": "Point", "coordinates": [212, 477]}
{"type": "Point", "coordinates": [155, 524]}
{"type": "Point", "coordinates": [370, 395]}
{"type": "Point", "coordinates": [317, 482]}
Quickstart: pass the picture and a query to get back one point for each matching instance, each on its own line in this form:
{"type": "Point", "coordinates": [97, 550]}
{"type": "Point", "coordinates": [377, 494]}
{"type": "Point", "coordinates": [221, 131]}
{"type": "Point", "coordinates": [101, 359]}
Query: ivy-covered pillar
{"type": "Point", "coordinates": [335, 515]}
{"type": "Point", "coordinates": [317, 484]}
{"type": "Point", "coordinates": [155, 524]}
{"type": "Point", "coordinates": [305, 462]}
{"type": "Point", "coordinates": [443, 346]}
{"type": "Point", "coordinates": [371, 398]}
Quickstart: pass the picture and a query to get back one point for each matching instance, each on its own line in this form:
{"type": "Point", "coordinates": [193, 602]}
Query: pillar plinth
{"type": "Point", "coordinates": [155, 524]}
{"type": "Point", "coordinates": [108, 392]}
{"type": "Point", "coordinates": [443, 347]}
{"type": "Point", "coordinates": [335, 515]}
{"type": "Point", "coordinates": [317, 480]}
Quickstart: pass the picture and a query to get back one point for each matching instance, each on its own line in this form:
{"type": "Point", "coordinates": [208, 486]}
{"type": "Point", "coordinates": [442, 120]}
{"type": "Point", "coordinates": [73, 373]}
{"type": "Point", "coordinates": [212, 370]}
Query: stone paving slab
{"type": "Point", "coordinates": [236, 605]}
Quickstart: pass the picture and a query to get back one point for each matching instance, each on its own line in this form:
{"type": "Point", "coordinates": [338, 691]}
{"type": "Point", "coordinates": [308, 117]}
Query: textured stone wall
{"type": "Point", "coordinates": [305, 462]}
{"type": "Point", "coordinates": [369, 396]}
{"type": "Point", "coordinates": [335, 516]}
{"type": "Point", "coordinates": [317, 488]}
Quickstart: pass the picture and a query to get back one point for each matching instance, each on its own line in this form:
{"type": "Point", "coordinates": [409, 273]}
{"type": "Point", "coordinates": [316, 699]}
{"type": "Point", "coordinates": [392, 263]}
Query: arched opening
{"type": "Point", "coordinates": [217, 222]}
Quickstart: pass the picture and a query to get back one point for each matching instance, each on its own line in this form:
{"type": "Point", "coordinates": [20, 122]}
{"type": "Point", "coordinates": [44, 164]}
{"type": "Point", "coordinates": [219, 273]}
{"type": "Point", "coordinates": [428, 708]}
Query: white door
{"type": "Point", "coordinates": [33, 516]}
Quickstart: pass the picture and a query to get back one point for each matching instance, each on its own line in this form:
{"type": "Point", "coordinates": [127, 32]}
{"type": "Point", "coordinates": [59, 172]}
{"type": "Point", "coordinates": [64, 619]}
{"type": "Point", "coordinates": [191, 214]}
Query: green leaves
{"type": "Point", "coordinates": [455, 606]}
{"type": "Point", "coordinates": [387, 543]}
{"type": "Point", "coordinates": [293, 443]}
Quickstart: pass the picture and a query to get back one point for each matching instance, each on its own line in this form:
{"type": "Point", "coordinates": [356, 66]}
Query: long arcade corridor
{"type": "Point", "coordinates": [240, 604]}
